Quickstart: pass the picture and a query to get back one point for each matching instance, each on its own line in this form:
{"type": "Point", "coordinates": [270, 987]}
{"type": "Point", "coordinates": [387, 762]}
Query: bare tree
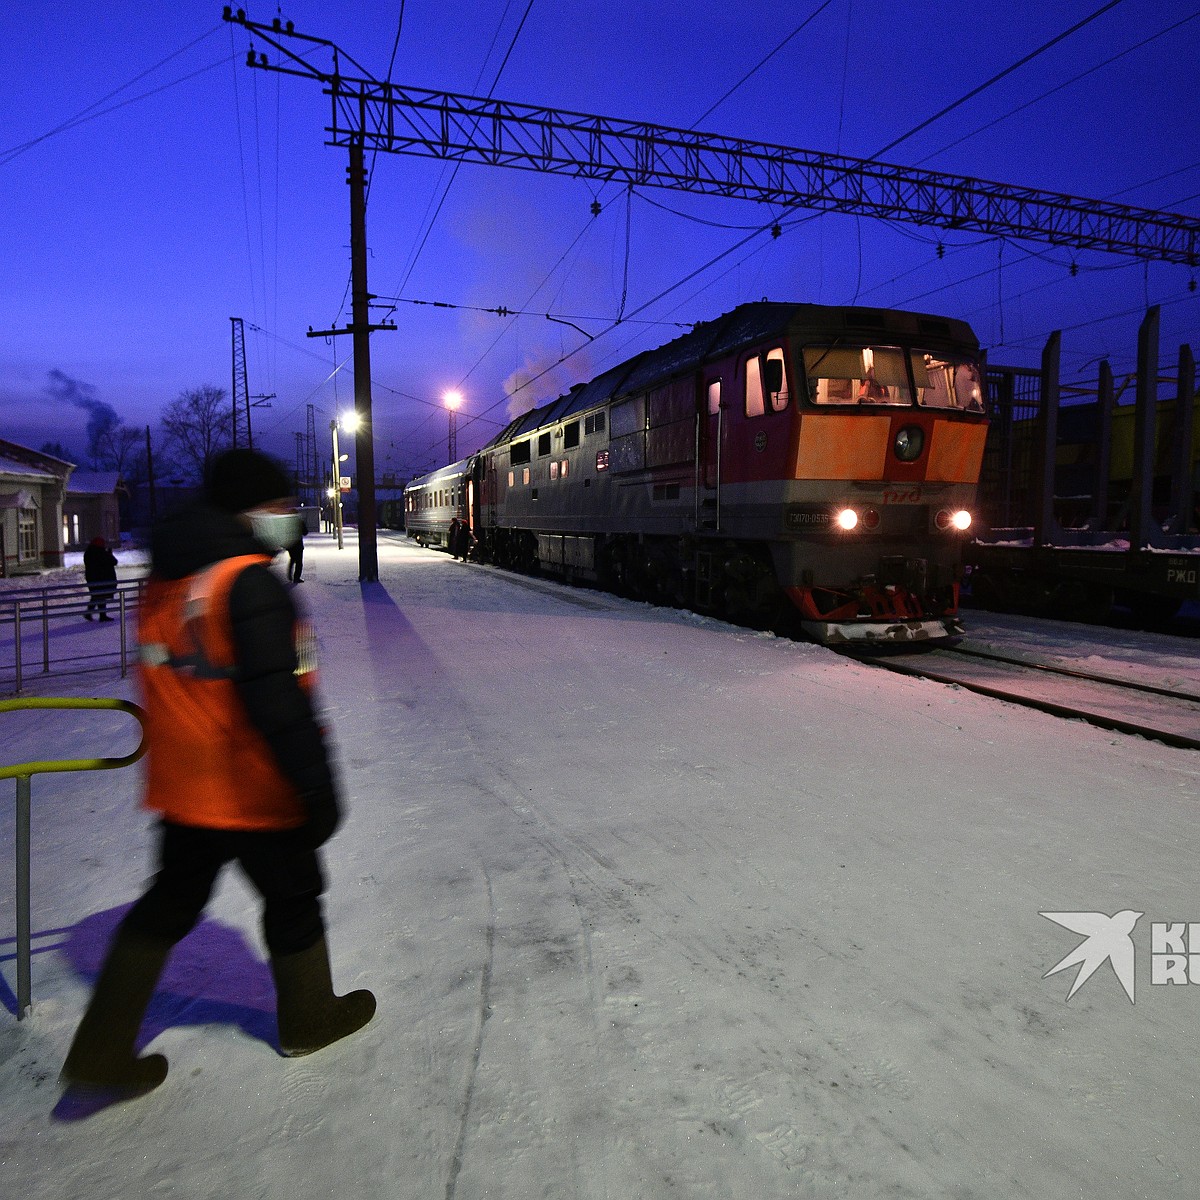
{"type": "Point", "coordinates": [115, 449]}
{"type": "Point", "coordinates": [198, 427]}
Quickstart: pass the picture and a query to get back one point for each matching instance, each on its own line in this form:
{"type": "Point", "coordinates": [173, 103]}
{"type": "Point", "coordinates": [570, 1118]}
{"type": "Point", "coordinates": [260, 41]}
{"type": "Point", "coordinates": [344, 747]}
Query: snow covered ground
{"type": "Point", "coordinates": [654, 907]}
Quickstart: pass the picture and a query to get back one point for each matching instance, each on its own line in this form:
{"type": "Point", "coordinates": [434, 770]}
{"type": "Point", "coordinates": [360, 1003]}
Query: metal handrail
{"type": "Point", "coordinates": [22, 606]}
{"type": "Point", "coordinates": [22, 773]}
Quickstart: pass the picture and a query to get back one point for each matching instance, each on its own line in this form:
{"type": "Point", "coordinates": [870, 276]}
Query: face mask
{"type": "Point", "coordinates": [275, 531]}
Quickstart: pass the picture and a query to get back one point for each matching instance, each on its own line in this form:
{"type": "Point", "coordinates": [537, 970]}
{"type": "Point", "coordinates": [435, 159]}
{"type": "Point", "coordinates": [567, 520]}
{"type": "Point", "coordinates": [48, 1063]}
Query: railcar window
{"type": "Point", "coordinates": [944, 382]}
{"type": "Point", "coordinates": [856, 375]}
{"type": "Point", "coordinates": [714, 396]}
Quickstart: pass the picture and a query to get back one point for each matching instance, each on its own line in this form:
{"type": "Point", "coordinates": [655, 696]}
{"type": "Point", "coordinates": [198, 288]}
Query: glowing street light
{"type": "Point", "coordinates": [350, 422]}
{"type": "Point", "coordinates": [452, 400]}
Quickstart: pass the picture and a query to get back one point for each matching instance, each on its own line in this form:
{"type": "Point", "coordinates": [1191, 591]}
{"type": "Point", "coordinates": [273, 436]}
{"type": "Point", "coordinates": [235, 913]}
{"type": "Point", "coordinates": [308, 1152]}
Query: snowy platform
{"type": "Point", "coordinates": [653, 907]}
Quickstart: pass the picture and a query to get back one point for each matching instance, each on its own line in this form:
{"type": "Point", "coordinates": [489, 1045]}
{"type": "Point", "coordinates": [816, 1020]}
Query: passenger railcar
{"type": "Point", "coordinates": [782, 459]}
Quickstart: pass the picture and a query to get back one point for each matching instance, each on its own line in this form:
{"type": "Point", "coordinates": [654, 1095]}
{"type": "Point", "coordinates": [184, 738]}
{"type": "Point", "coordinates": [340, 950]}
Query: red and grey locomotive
{"type": "Point", "coordinates": [784, 458]}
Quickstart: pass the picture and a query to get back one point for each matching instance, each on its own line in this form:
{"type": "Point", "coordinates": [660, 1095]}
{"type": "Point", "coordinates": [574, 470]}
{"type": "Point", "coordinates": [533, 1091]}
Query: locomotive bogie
{"type": "Point", "coordinates": [767, 464]}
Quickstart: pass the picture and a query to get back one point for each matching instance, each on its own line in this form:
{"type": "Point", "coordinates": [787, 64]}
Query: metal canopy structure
{"type": "Point", "coordinates": [368, 114]}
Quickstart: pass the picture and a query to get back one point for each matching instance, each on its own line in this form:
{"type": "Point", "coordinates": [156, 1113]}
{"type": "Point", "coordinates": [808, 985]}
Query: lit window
{"type": "Point", "coordinates": [525, 475]}
{"type": "Point", "coordinates": [852, 375]}
{"type": "Point", "coordinates": [779, 399]}
{"type": "Point", "coordinates": [565, 464]}
{"type": "Point", "coordinates": [510, 479]}
{"type": "Point", "coordinates": [601, 460]}
{"type": "Point", "coordinates": [714, 396]}
{"type": "Point", "coordinates": [754, 392]}
{"type": "Point", "coordinates": [554, 470]}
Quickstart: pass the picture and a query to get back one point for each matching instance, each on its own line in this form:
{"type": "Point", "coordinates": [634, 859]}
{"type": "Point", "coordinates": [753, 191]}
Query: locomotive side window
{"type": "Point", "coordinates": [714, 397]}
{"type": "Point", "coordinates": [754, 392]}
{"type": "Point", "coordinates": [854, 375]}
{"type": "Point", "coordinates": [946, 382]}
{"type": "Point", "coordinates": [543, 444]}
{"type": "Point", "coordinates": [570, 435]}
{"type": "Point", "coordinates": [594, 423]}
{"type": "Point", "coordinates": [763, 379]}
{"type": "Point", "coordinates": [518, 452]}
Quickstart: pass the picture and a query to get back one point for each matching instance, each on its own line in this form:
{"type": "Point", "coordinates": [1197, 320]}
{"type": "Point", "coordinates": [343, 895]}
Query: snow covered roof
{"type": "Point", "coordinates": [11, 468]}
{"type": "Point", "coordinates": [94, 483]}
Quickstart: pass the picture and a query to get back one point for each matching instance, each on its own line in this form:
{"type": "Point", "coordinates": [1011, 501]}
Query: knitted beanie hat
{"type": "Point", "coordinates": [242, 479]}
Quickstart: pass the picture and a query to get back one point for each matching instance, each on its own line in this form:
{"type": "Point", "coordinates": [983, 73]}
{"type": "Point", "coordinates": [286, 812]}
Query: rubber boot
{"type": "Point", "coordinates": [102, 1054]}
{"type": "Point", "coordinates": [310, 1015]}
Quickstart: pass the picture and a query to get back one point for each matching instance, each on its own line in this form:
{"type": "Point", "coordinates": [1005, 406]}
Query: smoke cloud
{"type": "Point", "coordinates": [102, 417]}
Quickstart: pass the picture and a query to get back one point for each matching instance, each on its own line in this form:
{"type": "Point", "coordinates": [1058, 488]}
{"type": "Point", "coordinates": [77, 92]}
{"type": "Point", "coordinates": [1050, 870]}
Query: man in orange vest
{"type": "Point", "coordinates": [237, 770]}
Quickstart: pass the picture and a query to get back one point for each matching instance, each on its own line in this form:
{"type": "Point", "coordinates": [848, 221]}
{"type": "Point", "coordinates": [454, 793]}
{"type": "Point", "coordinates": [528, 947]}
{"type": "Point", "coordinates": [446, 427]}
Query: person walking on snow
{"type": "Point", "coordinates": [237, 769]}
{"type": "Point", "coordinates": [100, 571]}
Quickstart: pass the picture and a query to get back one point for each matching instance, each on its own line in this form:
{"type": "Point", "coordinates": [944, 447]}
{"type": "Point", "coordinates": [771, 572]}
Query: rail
{"type": "Point", "coordinates": [23, 773]}
{"type": "Point", "coordinates": [36, 608]}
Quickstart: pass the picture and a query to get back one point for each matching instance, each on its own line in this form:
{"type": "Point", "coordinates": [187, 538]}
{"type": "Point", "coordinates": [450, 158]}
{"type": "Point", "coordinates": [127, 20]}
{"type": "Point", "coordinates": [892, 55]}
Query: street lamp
{"type": "Point", "coordinates": [452, 400]}
{"type": "Point", "coordinates": [349, 422]}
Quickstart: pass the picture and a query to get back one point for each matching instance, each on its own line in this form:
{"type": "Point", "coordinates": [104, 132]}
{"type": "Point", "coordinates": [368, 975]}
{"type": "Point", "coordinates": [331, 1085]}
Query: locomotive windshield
{"type": "Point", "coordinates": [857, 375]}
{"type": "Point", "coordinates": [879, 375]}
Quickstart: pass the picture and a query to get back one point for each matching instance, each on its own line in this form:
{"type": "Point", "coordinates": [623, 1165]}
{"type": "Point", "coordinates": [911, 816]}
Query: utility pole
{"type": "Point", "coordinates": [360, 328]}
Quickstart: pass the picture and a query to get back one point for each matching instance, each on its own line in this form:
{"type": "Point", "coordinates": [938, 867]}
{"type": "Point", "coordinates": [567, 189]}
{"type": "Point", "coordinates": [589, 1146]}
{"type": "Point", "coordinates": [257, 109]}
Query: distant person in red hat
{"type": "Point", "coordinates": [100, 571]}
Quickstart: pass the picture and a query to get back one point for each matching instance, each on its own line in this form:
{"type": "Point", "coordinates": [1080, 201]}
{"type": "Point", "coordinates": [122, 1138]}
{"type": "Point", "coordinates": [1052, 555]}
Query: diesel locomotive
{"type": "Point", "coordinates": [782, 463]}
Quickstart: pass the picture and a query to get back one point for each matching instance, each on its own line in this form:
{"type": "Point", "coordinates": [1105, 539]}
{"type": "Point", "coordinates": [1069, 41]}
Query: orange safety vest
{"type": "Point", "coordinates": [206, 764]}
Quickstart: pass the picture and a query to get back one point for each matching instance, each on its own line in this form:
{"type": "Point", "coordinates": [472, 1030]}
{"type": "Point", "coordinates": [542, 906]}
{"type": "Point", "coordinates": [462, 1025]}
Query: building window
{"type": "Point", "coordinates": [27, 538]}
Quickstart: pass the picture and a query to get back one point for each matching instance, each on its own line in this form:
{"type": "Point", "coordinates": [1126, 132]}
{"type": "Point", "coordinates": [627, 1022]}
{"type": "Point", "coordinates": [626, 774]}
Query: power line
{"type": "Point", "coordinates": [1000, 75]}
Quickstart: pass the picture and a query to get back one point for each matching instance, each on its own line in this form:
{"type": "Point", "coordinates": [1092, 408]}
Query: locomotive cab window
{"type": "Point", "coordinates": [865, 375]}
{"type": "Point", "coordinates": [714, 397]}
{"type": "Point", "coordinates": [944, 382]}
{"type": "Point", "coordinates": [766, 383]}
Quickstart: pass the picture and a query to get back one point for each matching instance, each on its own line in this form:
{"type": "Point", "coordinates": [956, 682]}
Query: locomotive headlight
{"type": "Point", "coordinates": [959, 520]}
{"type": "Point", "coordinates": [845, 518]}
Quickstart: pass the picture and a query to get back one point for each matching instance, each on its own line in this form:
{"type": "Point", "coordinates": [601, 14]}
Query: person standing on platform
{"type": "Point", "coordinates": [100, 571]}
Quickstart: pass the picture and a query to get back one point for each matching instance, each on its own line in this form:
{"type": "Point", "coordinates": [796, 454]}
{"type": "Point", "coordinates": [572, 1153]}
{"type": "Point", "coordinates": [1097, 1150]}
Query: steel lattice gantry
{"type": "Point", "coordinates": [405, 120]}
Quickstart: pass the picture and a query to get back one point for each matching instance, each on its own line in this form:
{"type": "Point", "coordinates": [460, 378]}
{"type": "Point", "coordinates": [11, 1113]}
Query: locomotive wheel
{"type": "Point", "coordinates": [751, 593]}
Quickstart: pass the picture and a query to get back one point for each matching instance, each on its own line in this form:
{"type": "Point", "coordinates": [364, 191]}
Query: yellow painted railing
{"type": "Point", "coordinates": [23, 773]}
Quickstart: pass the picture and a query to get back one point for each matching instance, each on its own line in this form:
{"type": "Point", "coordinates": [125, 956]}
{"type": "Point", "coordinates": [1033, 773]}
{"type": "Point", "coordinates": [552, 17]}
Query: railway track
{"type": "Point", "coordinates": [1163, 714]}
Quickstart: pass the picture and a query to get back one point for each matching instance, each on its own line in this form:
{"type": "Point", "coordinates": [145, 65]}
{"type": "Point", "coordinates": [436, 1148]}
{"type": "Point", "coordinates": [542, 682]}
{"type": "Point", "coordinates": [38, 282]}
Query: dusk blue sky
{"type": "Point", "coordinates": [203, 190]}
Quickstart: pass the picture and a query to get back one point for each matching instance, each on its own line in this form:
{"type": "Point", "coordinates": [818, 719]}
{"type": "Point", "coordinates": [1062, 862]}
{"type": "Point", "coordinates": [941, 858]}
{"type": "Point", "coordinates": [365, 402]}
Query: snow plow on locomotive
{"type": "Point", "coordinates": [783, 462]}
